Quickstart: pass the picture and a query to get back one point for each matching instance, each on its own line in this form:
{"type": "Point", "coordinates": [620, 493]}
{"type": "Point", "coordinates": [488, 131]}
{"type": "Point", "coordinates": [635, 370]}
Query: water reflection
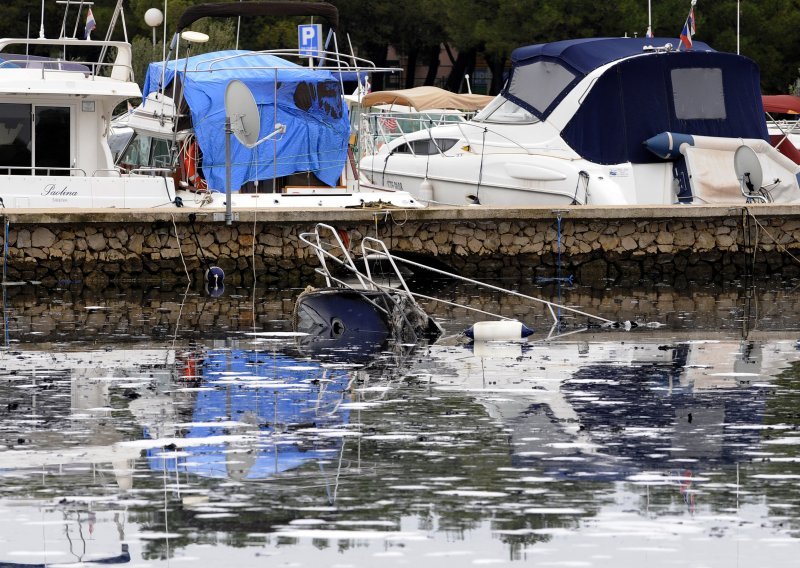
{"type": "Point", "coordinates": [254, 412]}
{"type": "Point", "coordinates": [143, 442]}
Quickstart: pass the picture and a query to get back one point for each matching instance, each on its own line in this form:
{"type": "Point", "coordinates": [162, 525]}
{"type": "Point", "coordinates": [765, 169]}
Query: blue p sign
{"type": "Point", "coordinates": [309, 37]}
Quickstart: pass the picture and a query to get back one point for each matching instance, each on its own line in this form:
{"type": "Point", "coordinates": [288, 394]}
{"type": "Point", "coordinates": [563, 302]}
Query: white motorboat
{"type": "Point", "coordinates": [608, 121]}
{"type": "Point", "coordinates": [55, 115]}
{"type": "Point", "coordinates": [56, 125]}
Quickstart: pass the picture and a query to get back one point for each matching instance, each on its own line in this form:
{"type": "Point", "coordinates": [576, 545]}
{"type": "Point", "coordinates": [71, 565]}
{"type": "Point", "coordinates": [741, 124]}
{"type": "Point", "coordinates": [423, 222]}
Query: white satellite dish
{"type": "Point", "coordinates": [194, 37]}
{"type": "Point", "coordinates": [748, 169]}
{"type": "Point", "coordinates": [241, 108]}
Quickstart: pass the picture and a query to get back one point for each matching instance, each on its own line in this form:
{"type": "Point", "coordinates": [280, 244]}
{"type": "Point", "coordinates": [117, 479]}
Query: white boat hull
{"type": "Point", "coordinates": [81, 192]}
{"type": "Point", "coordinates": [145, 192]}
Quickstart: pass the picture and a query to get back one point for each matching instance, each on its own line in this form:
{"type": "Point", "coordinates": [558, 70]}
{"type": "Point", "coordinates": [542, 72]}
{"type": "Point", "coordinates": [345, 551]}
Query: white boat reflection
{"type": "Point", "coordinates": [604, 409]}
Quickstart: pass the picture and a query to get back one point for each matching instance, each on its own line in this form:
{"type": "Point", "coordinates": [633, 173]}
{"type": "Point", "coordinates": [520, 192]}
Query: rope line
{"type": "Point", "coordinates": [180, 250]}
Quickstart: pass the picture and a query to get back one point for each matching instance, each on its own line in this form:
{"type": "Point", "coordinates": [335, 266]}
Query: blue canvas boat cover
{"type": "Point", "coordinates": [586, 55]}
{"type": "Point", "coordinates": [308, 101]}
{"type": "Point", "coordinates": [698, 92]}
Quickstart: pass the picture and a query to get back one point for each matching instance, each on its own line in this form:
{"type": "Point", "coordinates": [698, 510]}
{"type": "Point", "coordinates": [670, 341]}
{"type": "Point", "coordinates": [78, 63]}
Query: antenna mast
{"type": "Point", "coordinates": [111, 25]}
{"type": "Point", "coordinates": [41, 26]}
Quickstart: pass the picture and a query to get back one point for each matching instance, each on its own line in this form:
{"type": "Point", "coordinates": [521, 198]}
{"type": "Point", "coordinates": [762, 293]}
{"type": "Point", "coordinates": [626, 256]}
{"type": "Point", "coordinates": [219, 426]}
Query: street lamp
{"type": "Point", "coordinates": [153, 18]}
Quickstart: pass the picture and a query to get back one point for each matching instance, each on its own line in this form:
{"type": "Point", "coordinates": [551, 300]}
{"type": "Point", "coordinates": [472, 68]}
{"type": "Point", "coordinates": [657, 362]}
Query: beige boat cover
{"type": "Point", "coordinates": [426, 98]}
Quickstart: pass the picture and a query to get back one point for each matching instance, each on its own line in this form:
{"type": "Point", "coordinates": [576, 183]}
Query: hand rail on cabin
{"type": "Point", "coordinates": [33, 170]}
{"type": "Point", "coordinates": [107, 170]}
{"type": "Point", "coordinates": [147, 171]}
{"type": "Point", "coordinates": [121, 68]}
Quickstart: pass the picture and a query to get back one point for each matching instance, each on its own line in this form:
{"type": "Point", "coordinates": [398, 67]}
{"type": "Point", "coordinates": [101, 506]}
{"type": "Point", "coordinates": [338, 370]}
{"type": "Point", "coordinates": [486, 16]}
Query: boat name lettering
{"type": "Point", "coordinates": [50, 189]}
{"type": "Point", "coordinates": [395, 185]}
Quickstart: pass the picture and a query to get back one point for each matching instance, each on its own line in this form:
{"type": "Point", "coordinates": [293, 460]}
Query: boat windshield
{"type": "Point", "coordinates": [145, 152]}
{"type": "Point", "coordinates": [503, 111]}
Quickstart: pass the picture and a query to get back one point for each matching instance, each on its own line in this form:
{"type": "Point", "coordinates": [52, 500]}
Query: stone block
{"type": "Point", "coordinates": [23, 240]}
{"type": "Point", "coordinates": [96, 242]}
{"type": "Point", "coordinates": [42, 237]}
{"type": "Point", "coordinates": [684, 237]}
{"type": "Point", "coordinates": [724, 240]}
{"type": "Point", "coordinates": [608, 242]}
{"type": "Point", "coordinates": [628, 243]}
{"type": "Point", "coordinates": [626, 229]}
{"type": "Point", "coordinates": [705, 241]}
{"type": "Point", "coordinates": [665, 238]}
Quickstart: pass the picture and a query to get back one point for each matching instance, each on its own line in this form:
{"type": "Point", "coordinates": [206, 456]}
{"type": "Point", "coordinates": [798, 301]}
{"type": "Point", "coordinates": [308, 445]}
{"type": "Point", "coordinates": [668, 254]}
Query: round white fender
{"type": "Point", "coordinates": [507, 330]}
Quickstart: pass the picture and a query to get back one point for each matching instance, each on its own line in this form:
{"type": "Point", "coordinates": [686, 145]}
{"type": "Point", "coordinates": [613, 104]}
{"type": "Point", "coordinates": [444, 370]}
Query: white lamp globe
{"type": "Point", "coordinates": [153, 17]}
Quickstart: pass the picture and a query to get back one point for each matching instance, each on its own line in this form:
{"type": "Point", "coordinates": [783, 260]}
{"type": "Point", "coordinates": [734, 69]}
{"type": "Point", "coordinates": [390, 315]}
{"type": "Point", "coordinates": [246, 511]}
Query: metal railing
{"type": "Point", "coordinates": [34, 170]}
{"type": "Point", "coordinates": [379, 128]}
{"type": "Point", "coordinates": [121, 68]}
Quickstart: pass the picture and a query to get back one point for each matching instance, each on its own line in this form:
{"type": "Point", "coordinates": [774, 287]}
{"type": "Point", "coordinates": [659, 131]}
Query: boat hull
{"type": "Point", "coordinates": [357, 324]}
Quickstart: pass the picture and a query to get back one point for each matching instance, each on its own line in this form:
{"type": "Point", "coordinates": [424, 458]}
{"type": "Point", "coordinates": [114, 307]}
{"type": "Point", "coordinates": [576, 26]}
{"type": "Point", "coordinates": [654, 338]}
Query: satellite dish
{"type": "Point", "coordinates": [194, 37]}
{"type": "Point", "coordinates": [240, 106]}
{"type": "Point", "coordinates": [748, 169]}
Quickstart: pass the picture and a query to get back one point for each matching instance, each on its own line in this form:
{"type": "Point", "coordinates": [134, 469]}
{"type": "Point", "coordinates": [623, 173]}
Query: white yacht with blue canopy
{"type": "Point", "coordinates": [609, 121]}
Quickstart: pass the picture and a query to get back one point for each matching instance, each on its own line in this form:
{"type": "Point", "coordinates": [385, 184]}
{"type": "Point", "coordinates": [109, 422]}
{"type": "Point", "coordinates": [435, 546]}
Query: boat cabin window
{"type": "Point", "coordinates": [426, 146]}
{"type": "Point", "coordinates": [145, 152]}
{"type": "Point", "coordinates": [502, 110]}
{"type": "Point", "coordinates": [16, 138]}
{"type": "Point", "coordinates": [698, 93]}
{"type": "Point", "coordinates": [52, 135]}
{"type": "Point", "coordinates": [21, 125]}
{"type": "Point", "coordinates": [540, 83]}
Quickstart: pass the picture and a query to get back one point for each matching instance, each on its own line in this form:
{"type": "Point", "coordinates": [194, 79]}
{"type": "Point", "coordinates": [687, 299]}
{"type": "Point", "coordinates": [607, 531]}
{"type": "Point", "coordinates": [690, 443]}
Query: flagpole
{"type": "Point", "coordinates": [649, 16]}
{"type": "Point", "coordinates": [737, 27]}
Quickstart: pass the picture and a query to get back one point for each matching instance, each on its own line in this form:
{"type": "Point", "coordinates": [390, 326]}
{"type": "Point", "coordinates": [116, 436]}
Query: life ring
{"type": "Point", "coordinates": [190, 167]}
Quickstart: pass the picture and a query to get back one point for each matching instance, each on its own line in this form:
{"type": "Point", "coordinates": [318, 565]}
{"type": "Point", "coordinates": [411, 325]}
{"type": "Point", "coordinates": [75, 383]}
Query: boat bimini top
{"type": "Point", "coordinates": [640, 87]}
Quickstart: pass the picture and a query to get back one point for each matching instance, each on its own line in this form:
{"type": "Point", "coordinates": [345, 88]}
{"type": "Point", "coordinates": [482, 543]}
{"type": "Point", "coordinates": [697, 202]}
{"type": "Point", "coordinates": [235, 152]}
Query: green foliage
{"type": "Point", "coordinates": [490, 28]}
{"type": "Point", "coordinates": [221, 35]}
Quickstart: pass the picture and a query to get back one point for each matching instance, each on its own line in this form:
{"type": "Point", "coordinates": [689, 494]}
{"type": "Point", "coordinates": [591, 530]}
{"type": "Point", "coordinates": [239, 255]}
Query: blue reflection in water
{"type": "Point", "coordinates": [269, 397]}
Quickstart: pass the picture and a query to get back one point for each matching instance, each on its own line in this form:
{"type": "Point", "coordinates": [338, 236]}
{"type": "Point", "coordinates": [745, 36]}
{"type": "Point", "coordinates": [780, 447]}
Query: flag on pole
{"type": "Point", "coordinates": [648, 33]}
{"type": "Point", "coordinates": [389, 124]}
{"type": "Point", "coordinates": [688, 29]}
{"type": "Point", "coordinates": [90, 25]}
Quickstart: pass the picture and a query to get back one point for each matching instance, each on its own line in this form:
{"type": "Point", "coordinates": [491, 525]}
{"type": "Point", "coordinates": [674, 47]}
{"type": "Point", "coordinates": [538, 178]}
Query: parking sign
{"type": "Point", "coordinates": [309, 37]}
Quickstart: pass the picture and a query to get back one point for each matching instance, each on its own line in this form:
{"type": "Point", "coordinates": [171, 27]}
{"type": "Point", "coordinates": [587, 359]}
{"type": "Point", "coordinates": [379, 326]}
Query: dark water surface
{"type": "Point", "coordinates": [156, 428]}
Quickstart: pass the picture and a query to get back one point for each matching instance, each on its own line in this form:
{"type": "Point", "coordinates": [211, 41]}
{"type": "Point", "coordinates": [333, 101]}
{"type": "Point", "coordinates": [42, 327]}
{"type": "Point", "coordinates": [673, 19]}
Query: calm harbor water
{"type": "Point", "coordinates": [162, 428]}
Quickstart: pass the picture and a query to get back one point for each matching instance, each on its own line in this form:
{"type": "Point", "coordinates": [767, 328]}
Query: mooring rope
{"type": "Point", "coordinates": [180, 250]}
{"type": "Point", "coordinates": [5, 248]}
{"type": "Point", "coordinates": [770, 235]}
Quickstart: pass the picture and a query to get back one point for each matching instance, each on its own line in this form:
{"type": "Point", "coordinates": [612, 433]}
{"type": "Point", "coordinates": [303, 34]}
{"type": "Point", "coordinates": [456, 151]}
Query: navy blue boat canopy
{"type": "Point", "coordinates": [543, 74]}
{"type": "Point", "coordinates": [586, 55]}
{"type": "Point", "coordinates": [700, 92]}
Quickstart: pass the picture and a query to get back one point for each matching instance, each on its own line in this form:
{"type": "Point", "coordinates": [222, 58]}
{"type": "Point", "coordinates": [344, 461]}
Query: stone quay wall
{"type": "Point", "coordinates": [594, 245]}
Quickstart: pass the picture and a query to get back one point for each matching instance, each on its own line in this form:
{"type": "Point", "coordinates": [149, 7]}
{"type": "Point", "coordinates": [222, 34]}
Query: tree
{"type": "Point", "coordinates": [475, 29]}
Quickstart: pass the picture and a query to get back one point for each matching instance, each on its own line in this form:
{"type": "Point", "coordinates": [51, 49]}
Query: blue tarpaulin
{"type": "Point", "coordinates": [309, 102]}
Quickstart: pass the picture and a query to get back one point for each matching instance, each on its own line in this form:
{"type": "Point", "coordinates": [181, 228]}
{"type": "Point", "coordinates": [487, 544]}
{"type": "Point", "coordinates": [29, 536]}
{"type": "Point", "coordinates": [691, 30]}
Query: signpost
{"type": "Point", "coordinates": [309, 38]}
